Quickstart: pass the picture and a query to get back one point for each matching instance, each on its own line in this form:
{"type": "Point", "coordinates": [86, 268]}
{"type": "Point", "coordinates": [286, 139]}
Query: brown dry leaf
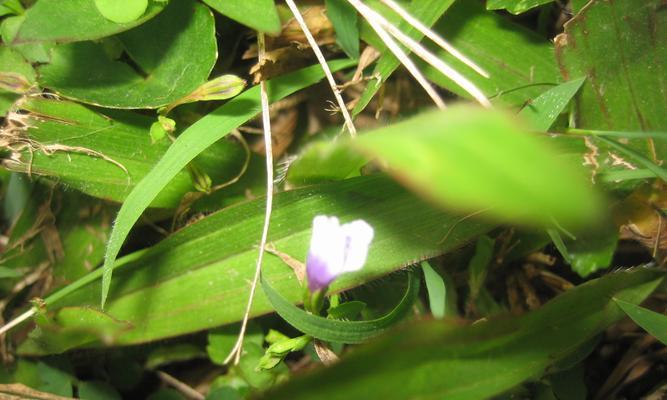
{"type": "Point", "coordinates": [641, 218]}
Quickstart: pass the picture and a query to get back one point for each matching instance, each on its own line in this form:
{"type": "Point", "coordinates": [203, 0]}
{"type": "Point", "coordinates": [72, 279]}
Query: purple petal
{"type": "Point", "coordinates": [319, 276]}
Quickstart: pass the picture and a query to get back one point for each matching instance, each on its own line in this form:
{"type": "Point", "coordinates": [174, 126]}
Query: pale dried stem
{"type": "Point", "coordinates": [437, 39]}
{"type": "Point", "coordinates": [424, 54]}
{"type": "Point", "coordinates": [16, 321]}
{"type": "Point", "coordinates": [266, 122]}
{"type": "Point", "coordinates": [371, 18]}
{"type": "Point", "coordinates": [325, 67]}
{"type": "Point", "coordinates": [182, 387]}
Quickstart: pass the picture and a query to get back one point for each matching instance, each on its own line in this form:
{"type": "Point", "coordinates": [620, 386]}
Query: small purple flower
{"type": "Point", "coordinates": [336, 249]}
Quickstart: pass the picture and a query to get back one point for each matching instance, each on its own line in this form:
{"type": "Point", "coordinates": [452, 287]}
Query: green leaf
{"type": "Point", "coordinates": [478, 268]}
{"type": "Point", "coordinates": [105, 155]}
{"type": "Point", "coordinates": [613, 44]}
{"type": "Point", "coordinates": [257, 14]}
{"type": "Point", "coordinates": [54, 379]}
{"type": "Point", "coordinates": [520, 62]}
{"type": "Point", "coordinates": [475, 361]}
{"type": "Point", "coordinates": [325, 161]}
{"type": "Point", "coordinates": [515, 6]}
{"type": "Point", "coordinates": [121, 11]}
{"type": "Point", "coordinates": [221, 340]}
{"type": "Point", "coordinates": [178, 286]}
{"type": "Point", "coordinates": [74, 20]}
{"type": "Point", "coordinates": [426, 11]}
{"type": "Point", "coordinates": [33, 52]}
{"type": "Point", "coordinates": [97, 390]}
{"type": "Point", "coordinates": [168, 354]}
{"type": "Point", "coordinates": [593, 251]}
{"type": "Point", "coordinates": [544, 110]}
{"type": "Point", "coordinates": [437, 291]}
{"type": "Point", "coordinates": [332, 330]}
{"type": "Point", "coordinates": [516, 176]}
{"type": "Point", "coordinates": [345, 22]}
{"type": "Point", "coordinates": [192, 142]}
{"type": "Point", "coordinates": [651, 321]}
{"type": "Point", "coordinates": [16, 77]}
{"type": "Point", "coordinates": [174, 54]}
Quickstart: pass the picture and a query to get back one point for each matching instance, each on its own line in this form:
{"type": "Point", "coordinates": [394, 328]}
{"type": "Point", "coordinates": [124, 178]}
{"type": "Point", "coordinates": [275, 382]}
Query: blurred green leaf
{"type": "Point", "coordinates": [331, 330]}
{"type": "Point", "coordinates": [477, 160]}
{"type": "Point", "coordinates": [515, 6]}
{"type": "Point", "coordinates": [172, 54]}
{"type": "Point", "coordinates": [178, 286]}
{"type": "Point", "coordinates": [651, 321]}
{"type": "Point", "coordinates": [56, 378]}
{"type": "Point", "coordinates": [121, 11]}
{"type": "Point", "coordinates": [345, 22]}
{"type": "Point", "coordinates": [97, 390]}
{"type": "Point", "coordinates": [168, 354]}
{"type": "Point", "coordinates": [191, 143]}
{"type": "Point", "coordinates": [33, 52]}
{"type": "Point", "coordinates": [475, 361]}
{"type": "Point", "coordinates": [74, 20]}
{"type": "Point", "coordinates": [257, 14]}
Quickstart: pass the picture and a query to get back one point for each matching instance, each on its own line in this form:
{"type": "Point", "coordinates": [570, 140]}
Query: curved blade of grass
{"type": "Point", "coordinates": [192, 142]}
{"type": "Point", "coordinates": [332, 330]}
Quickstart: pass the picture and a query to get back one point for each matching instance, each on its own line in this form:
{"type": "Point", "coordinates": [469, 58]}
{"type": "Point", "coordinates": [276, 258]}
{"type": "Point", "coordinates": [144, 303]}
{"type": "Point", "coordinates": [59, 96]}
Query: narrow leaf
{"type": "Point", "coordinates": [544, 110]}
{"type": "Point", "coordinates": [653, 322]}
{"type": "Point", "coordinates": [332, 330]}
{"type": "Point", "coordinates": [192, 142]}
{"type": "Point", "coordinates": [437, 291]}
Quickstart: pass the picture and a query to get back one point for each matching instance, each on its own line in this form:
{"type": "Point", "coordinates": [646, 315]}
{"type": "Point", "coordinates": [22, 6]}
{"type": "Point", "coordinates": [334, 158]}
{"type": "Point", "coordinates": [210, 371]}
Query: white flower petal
{"type": "Point", "coordinates": [358, 236]}
{"type": "Point", "coordinates": [328, 243]}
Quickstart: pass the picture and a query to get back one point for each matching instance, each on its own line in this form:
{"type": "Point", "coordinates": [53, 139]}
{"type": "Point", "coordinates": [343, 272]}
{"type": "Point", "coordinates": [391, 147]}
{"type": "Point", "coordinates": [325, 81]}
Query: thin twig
{"type": "Point", "coordinates": [323, 62]}
{"type": "Point", "coordinates": [391, 44]}
{"type": "Point", "coordinates": [424, 54]}
{"type": "Point", "coordinates": [266, 122]}
{"type": "Point", "coordinates": [437, 39]}
{"type": "Point", "coordinates": [182, 387]}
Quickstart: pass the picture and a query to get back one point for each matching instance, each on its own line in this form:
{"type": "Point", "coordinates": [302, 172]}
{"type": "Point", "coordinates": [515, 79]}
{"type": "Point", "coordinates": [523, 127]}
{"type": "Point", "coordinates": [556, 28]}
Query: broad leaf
{"type": "Point", "coordinates": [174, 54]}
{"type": "Point", "coordinates": [74, 20]}
{"type": "Point", "coordinates": [190, 144]}
{"type": "Point", "coordinates": [199, 277]}
{"type": "Point", "coordinates": [616, 45]}
{"type": "Point", "coordinates": [475, 361]}
{"type": "Point", "coordinates": [105, 155]}
{"type": "Point", "coordinates": [515, 6]}
{"type": "Point", "coordinates": [257, 14]}
{"type": "Point", "coordinates": [520, 63]}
